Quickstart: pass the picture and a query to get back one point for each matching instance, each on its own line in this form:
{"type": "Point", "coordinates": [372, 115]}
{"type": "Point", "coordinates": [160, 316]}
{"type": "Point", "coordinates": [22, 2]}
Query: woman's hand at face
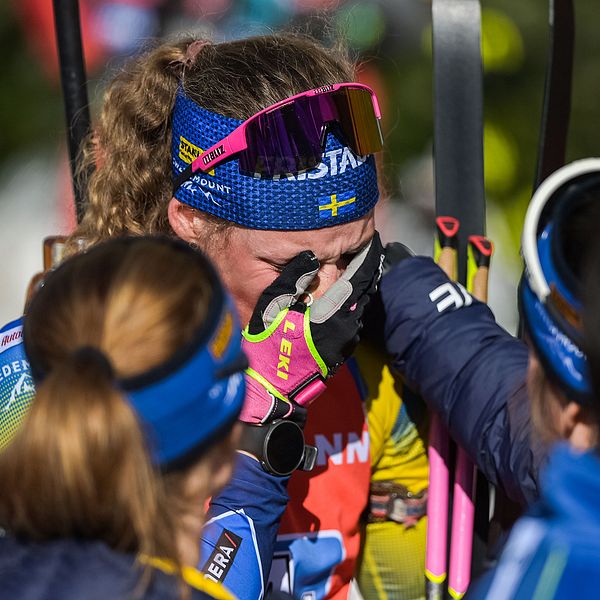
{"type": "Point", "coordinates": [294, 346]}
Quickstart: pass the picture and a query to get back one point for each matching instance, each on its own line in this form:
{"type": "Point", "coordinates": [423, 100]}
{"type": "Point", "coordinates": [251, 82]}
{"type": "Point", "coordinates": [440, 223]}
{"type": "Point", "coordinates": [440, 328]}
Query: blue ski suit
{"type": "Point", "coordinates": [72, 569]}
{"type": "Point", "coordinates": [553, 551]}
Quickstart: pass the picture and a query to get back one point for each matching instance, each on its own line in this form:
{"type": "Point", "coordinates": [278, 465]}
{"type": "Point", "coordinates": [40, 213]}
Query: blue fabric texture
{"type": "Point", "coordinates": [178, 411]}
{"type": "Point", "coordinates": [341, 189]}
{"type": "Point", "coordinates": [467, 368]}
{"type": "Point", "coordinates": [553, 551]}
{"type": "Point", "coordinates": [72, 570]}
{"type": "Point", "coordinates": [250, 507]}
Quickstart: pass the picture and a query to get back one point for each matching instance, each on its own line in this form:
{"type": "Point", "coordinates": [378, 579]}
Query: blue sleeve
{"type": "Point", "coordinates": [540, 564]}
{"type": "Point", "coordinates": [466, 367]}
{"type": "Point", "coordinates": [242, 522]}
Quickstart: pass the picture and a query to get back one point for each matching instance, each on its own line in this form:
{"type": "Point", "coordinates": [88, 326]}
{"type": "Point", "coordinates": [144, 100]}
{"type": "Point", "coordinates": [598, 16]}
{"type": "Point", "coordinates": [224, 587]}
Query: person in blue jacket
{"type": "Point", "coordinates": [553, 551]}
{"type": "Point", "coordinates": [466, 367]}
{"type": "Point", "coordinates": [529, 414]}
{"type": "Point", "coordinates": [138, 370]}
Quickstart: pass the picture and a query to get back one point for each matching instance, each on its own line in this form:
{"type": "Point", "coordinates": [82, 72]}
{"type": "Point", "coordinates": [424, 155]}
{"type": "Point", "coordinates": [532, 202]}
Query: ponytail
{"type": "Point", "coordinates": [86, 478]}
{"type": "Point", "coordinates": [129, 151]}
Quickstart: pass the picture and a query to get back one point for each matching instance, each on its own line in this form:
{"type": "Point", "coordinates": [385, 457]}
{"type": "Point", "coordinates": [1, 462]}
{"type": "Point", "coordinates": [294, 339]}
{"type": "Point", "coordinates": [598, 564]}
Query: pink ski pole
{"type": "Point", "coordinates": [445, 255]}
{"type": "Point", "coordinates": [480, 251]}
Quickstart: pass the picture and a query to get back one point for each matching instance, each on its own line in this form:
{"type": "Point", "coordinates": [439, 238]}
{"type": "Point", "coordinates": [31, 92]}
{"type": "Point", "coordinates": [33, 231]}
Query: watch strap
{"type": "Point", "coordinates": [255, 440]}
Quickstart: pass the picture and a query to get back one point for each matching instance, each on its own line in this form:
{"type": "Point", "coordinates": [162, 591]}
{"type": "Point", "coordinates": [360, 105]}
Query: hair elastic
{"type": "Point", "coordinates": [91, 354]}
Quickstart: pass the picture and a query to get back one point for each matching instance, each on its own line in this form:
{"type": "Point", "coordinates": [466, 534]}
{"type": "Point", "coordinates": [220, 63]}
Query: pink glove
{"type": "Point", "coordinates": [293, 348]}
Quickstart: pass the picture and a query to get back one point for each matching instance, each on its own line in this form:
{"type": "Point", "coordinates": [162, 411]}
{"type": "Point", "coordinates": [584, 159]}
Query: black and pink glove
{"type": "Point", "coordinates": [293, 347]}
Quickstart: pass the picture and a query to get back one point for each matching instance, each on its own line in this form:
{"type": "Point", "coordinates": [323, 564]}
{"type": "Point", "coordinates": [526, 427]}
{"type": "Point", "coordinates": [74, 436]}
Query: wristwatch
{"type": "Point", "coordinates": [279, 447]}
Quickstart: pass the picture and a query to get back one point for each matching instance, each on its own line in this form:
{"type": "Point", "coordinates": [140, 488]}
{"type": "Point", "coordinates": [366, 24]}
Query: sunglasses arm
{"type": "Point", "coordinates": [221, 151]}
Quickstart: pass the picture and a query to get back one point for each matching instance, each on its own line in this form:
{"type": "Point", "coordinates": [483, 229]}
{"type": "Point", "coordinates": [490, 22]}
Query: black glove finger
{"type": "Point", "coordinates": [359, 278]}
{"type": "Point", "coordinates": [365, 275]}
{"type": "Point", "coordinates": [293, 281]}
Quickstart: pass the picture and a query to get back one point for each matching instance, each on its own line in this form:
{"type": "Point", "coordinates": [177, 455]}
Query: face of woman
{"type": "Point", "coordinates": [251, 259]}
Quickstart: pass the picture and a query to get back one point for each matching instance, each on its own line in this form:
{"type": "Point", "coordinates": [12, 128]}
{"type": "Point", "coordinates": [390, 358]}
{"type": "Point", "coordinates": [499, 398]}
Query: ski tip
{"type": "Point", "coordinates": [454, 594]}
{"type": "Point", "coordinates": [435, 579]}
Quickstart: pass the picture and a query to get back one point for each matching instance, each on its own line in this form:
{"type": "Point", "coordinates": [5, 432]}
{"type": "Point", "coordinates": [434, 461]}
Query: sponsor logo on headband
{"type": "Point", "coordinates": [206, 158]}
{"type": "Point", "coordinates": [11, 338]}
{"type": "Point", "coordinates": [193, 188]}
{"type": "Point", "coordinates": [188, 152]}
{"type": "Point", "coordinates": [337, 204]}
{"type": "Point", "coordinates": [23, 386]}
{"type": "Point", "coordinates": [335, 162]}
{"type": "Point", "coordinates": [323, 89]}
{"type": "Point", "coordinates": [219, 562]}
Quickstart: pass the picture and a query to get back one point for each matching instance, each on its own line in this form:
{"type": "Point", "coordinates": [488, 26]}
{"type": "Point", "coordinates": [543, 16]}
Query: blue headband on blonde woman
{"type": "Point", "coordinates": [342, 188]}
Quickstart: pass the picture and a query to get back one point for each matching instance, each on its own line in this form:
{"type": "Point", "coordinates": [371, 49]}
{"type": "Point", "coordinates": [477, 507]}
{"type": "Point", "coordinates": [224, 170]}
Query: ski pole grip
{"type": "Point", "coordinates": [480, 251]}
{"type": "Point", "coordinates": [446, 245]}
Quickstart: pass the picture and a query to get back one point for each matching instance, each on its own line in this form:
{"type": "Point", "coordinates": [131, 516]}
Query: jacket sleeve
{"type": "Point", "coordinates": [466, 367]}
{"type": "Point", "coordinates": [241, 526]}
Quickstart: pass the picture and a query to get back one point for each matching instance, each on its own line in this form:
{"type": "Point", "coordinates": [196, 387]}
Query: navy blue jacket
{"type": "Point", "coordinates": [554, 551]}
{"type": "Point", "coordinates": [467, 368]}
{"type": "Point", "coordinates": [72, 570]}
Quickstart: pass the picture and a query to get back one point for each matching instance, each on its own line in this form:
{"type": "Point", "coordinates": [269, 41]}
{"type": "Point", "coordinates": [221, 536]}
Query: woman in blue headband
{"type": "Point", "coordinates": [138, 371]}
{"type": "Point", "coordinates": [261, 153]}
{"type": "Point", "coordinates": [553, 551]}
{"type": "Point", "coordinates": [527, 413]}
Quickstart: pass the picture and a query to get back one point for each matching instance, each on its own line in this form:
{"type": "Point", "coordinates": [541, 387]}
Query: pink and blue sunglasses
{"type": "Point", "coordinates": [290, 136]}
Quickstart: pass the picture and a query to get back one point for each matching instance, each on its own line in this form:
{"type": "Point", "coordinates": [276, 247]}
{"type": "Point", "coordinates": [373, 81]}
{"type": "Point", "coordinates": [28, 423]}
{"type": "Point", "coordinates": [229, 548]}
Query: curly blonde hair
{"type": "Point", "coordinates": [130, 149]}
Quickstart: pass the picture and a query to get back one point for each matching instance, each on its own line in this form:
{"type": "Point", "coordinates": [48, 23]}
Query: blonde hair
{"type": "Point", "coordinates": [130, 149]}
{"type": "Point", "coordinates": [81, 449]}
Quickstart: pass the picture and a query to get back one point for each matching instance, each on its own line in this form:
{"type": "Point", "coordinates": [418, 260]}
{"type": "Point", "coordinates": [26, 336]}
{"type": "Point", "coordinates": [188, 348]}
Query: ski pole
{"type": "Point", "coordinates": [73, 79]}
{"type": "Point", "coordinates": [480, 251]}
{"type": "Point", "coordinates": [556, 108]}
{"type": "Point", "coordinates": [445, 254]}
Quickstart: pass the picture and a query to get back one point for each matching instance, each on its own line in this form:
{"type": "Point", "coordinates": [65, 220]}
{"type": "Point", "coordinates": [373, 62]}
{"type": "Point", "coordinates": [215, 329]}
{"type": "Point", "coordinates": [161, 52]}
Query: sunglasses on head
{"type": "Point", "coordinates": [290, 136]}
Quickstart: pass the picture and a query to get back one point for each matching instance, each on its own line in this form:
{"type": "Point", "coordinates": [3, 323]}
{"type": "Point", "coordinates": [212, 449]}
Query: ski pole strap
{"type": "Point", "coordinates": [391, 501]}
{"type": "Point", "coordinates": [556, 108]}
{"type": "Point", "coordinates": [458, 106]}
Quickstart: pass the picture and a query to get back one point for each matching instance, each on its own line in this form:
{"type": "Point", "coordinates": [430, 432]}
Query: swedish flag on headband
{"type": "Point", "coordinates": [337, 204]}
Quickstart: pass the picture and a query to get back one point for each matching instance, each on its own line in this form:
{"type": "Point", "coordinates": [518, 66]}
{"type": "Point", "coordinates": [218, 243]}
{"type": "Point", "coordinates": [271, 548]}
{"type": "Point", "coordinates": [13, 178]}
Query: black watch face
{"type": "Point", "coordinates": [284, 447]}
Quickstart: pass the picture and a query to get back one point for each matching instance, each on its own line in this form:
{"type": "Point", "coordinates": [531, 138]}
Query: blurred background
{"type": "Point", "coordinates": [391, 40]}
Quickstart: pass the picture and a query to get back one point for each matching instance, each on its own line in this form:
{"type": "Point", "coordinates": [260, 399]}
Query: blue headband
{"type": "Point", "coordinates": [193, 398]}
{"type": "Point", "coordinates": [189, 402]}
{"type": "Point", "coordinates": [341, 189]}
{"type": "Point", "coordinates": [560, 355]}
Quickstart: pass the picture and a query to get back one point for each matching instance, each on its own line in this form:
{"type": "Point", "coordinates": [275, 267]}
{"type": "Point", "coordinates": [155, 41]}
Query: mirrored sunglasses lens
{"type": "Point", "coordinates": [292, 139]}
{"type": "Point", "coordinates": [357, 119]}
{"type": "Point", "coordinates": [281, 142]}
